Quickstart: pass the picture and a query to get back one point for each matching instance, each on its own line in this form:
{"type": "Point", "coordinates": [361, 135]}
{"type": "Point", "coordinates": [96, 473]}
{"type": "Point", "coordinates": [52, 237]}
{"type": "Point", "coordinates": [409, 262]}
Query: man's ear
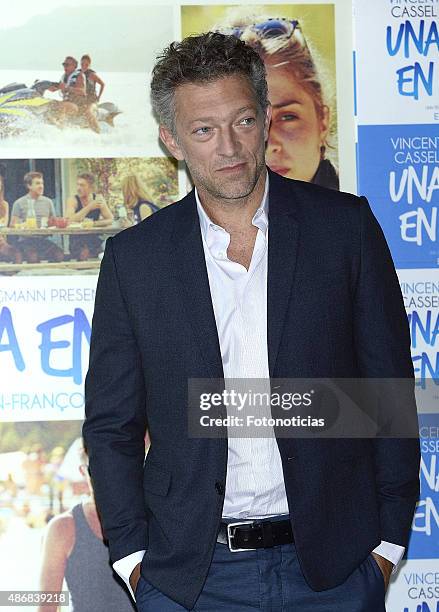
{"type": "Point", "coordinates": [170, 143]}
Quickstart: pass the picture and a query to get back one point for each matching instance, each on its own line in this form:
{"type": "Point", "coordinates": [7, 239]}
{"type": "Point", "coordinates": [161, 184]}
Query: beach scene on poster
{"type": "Point", "coordinates": [85, 93]}
{"type": "Point", "coordinates": [47, 509]}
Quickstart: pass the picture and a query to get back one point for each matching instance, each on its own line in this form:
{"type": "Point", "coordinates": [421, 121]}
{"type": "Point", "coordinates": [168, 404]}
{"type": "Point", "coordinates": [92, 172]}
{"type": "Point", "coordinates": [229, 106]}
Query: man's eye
{"type": "Point", "coordinates": [202, 130]}
{"type": "Point", "coordinates": [247, 121]}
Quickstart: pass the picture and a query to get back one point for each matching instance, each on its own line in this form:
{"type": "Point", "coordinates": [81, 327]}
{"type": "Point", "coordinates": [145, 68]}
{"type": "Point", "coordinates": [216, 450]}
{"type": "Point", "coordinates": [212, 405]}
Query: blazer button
{"type": "Point", "coordinates": [219, 486]}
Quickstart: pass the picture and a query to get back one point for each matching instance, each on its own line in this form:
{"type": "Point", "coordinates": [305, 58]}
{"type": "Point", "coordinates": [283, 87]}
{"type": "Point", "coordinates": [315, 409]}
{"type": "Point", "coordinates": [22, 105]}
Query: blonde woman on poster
{"type": "Point", "coordinates": [137, 199]}
{"type": "Point", "coordinates": [303, 139]}
{"type": "Point", "coordinates": [300, 126]}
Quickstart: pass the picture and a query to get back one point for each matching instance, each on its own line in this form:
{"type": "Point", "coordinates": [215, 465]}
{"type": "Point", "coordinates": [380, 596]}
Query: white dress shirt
{"type": "Point", "coordinates": [254, 484]}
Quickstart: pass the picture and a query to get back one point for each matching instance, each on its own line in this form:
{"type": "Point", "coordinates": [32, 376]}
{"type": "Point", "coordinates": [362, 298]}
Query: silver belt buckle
{"type": "Point", "coordinates": [230, 536]}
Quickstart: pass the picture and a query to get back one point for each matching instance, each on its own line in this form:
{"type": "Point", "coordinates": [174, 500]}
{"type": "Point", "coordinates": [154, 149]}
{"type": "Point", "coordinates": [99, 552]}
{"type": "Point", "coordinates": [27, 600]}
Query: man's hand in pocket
{"type": "Point", "coordinates": [134, 577]}
{"type": "Point", "coordinates": [385, 566]}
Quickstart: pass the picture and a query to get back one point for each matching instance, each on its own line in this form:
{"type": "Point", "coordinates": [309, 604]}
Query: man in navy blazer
{"type": "Point", "coordinates": [249, 275]}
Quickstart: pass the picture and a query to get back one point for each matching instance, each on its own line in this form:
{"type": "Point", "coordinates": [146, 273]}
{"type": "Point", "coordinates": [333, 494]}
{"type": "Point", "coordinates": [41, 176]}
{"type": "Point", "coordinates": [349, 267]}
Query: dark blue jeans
{"type": "Point", "coordinates": [270, 580]}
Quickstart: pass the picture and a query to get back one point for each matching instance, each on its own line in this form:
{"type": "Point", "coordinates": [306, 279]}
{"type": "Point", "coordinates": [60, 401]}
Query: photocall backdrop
{"type": "Point", "coordinates": [397, 111]}
{"type": "Point", "coordinates": [377, 66]}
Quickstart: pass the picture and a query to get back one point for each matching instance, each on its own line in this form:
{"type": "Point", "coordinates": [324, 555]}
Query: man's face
{"type": "Point", "coordinates": [69, 66]}
{"type": "Point", "coordinates": [37, 186]}
{"type": "Point", "coordinates": [83, 187]}
{"type": "Point", "coordinates": [221, 134]}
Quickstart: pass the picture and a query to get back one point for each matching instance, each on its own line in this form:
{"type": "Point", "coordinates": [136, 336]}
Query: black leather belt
{"type": "Point", "coordinates": [249, 535]}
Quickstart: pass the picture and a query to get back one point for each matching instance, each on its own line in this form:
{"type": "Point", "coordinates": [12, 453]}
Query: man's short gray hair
{"type": "Point", "coordinates": [202, 59]}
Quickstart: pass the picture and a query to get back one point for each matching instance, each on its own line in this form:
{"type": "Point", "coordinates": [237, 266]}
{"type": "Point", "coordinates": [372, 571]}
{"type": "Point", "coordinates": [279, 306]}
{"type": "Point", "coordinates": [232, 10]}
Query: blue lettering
{"type": "Point", "coordinates": [407, 33]}
{"type": "Point", "coordinates": [428, 332]}
{"type": "Point", "coordinates": [415, 76]}
{"type": "Point", "coordinates": [81, 327]}
{"type": "Point", "coordinates": [7, 326]}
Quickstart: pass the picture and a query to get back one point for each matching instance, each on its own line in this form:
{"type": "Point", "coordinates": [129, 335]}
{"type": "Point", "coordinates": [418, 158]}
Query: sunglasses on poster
{"type": "Point", "coordinates": [271, 28]}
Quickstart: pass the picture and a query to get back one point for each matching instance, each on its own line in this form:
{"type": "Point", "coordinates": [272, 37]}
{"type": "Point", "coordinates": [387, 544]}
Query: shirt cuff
{"type": "Point", "coordinates": [391, 552]}
{"type": "Point", "coordinates": [125, 566]}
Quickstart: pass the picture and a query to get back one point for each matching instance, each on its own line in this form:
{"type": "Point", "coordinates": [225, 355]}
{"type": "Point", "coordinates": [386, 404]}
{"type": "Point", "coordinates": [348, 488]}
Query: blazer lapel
{"type": "Point", "coordinates": [191, 272]}
{"type": "Point", "coordinates": [283, 239]}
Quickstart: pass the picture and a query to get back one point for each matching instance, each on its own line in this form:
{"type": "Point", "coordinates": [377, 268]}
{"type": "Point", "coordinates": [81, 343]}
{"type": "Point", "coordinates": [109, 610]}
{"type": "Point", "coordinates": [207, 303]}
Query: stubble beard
{"type": "Point", "coordinates": [229, 188]}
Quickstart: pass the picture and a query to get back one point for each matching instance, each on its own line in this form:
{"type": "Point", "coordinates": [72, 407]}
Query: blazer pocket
{"type": "Point", "coordinates": [155, 479]}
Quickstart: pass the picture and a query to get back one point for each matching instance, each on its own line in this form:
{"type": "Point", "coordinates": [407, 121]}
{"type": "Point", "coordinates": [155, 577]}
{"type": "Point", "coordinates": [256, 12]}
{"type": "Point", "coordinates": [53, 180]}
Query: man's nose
{"type": "Point", "coordinates": [228, 144]}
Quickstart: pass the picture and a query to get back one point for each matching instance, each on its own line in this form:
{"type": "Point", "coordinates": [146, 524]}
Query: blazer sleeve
{"type": "Point", "coordinates": [115, 417]}
{"type": "Point", "coordinates": [382, 340]}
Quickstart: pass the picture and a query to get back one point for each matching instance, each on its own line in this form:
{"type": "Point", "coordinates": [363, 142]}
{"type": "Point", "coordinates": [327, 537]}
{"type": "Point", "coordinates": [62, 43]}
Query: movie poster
{"type": "Point", "coordinates": [80, 161]}
{"type": "Point", "coordinates": [50, 533]}
{"type": "Point", "coordinates": [398, 124]}
{"type": "Point", "coordinates": [306, 62]}
{"type": "Point", "coordinates": [76, 168]}
{"type": "Point", "coordinates": [74, 77]}
{"type": "Point", "coordinates": [397, 89]}
{"type": "Point", "coordinates": [56, 214]}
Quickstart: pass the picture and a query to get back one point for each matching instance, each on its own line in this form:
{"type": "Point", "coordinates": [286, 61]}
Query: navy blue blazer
{"type": "Point", "coordinates": [334, 310]}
